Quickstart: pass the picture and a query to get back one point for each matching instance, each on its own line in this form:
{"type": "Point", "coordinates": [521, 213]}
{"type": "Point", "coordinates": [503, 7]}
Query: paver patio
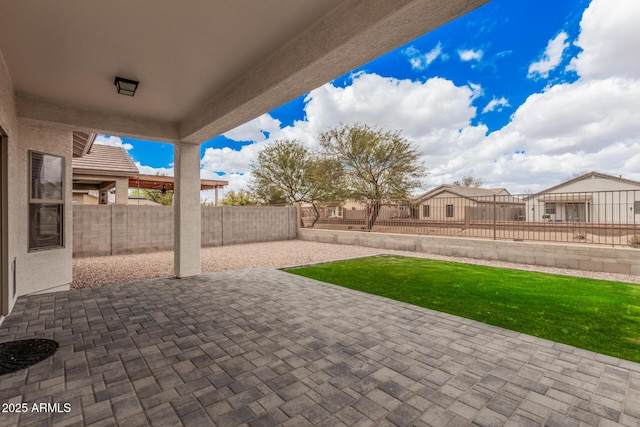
{"type": "Point", "coordinates": [261, 347]}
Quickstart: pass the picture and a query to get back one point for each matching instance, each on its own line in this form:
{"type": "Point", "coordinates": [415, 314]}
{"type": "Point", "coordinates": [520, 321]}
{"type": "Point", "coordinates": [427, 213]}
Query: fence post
{"type": "Point", "coordinates": [467, 219]}
{"type": "Point", "coordinates": [494, 217]}
{"type": "Point", "coordinates": [298, 216]}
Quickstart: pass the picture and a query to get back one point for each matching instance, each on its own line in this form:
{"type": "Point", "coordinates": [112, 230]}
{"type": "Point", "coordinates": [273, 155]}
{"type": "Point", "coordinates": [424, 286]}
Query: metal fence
{"type": "Point", "coordinates": [594, 217]}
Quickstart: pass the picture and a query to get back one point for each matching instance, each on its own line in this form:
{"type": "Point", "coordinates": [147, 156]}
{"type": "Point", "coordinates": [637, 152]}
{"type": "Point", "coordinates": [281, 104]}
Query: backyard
{"type": "Point", "coordinates": [601, 316]}
{"type": "Point", "coordinates": [89, 272]}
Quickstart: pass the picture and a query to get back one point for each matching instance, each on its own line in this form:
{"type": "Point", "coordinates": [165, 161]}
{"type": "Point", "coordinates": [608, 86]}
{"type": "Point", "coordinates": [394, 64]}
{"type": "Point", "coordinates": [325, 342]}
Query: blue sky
{"type": "Point", "coordinates": [521, 94]}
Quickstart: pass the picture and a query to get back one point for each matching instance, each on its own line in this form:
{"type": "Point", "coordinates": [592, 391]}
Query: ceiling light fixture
{"type": "Point", "coordinates": [126, 86]}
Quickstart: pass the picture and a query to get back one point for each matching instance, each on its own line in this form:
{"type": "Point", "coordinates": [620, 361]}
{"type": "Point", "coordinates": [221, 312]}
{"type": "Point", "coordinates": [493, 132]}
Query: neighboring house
{"type": "Point", "coordinates": [100, 170]}
{"type": "Point", "coordinates": [103, 169]}
{"type": "Point", "coordinates": [359, 210]}
{"type": "Point", "coordinates": [85, 198]}
{"type": "Point", "coordinates": [353, 210]}
{"type": "Point", "coordinates": [593, 197]}
{"type": "Point", "coordinates": [455, 203]}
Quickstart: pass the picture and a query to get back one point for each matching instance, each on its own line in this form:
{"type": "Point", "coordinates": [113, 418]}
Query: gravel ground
{"type": "Point", "coordinates": [100, 271]}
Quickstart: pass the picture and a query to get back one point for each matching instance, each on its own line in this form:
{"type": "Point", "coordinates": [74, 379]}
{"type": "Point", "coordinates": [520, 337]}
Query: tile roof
{"type": "Point", "coordinates": [592, 174]}
{"type": "Point", "coordinates": [473, 193]}
{"type": "Point", "coordinates": [105, 160]}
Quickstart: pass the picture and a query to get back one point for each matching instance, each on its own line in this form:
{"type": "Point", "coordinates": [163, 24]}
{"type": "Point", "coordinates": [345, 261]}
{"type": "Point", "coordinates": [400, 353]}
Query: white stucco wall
{"type": "Point", "coordinates": [39, 271]}
{"type": "Point", "coordinates": [9, 126]}
{"type": "Point", "coordinates": [47, 270]}
{"type": "Point", "coordinates": [186, 208]}
{"type": "Point", "coordinates": [606, 201]}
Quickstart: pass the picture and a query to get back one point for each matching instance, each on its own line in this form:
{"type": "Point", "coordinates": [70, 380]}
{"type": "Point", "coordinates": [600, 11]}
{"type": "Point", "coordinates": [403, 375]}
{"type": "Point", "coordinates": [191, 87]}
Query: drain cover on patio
{"type": "Point", "coordinates": [17, 355]}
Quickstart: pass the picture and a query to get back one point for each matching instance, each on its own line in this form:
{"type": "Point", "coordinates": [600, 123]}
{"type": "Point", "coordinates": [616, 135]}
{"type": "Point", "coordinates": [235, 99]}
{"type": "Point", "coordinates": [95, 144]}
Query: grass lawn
{"type": "Point", "coordinates": [596, 315]}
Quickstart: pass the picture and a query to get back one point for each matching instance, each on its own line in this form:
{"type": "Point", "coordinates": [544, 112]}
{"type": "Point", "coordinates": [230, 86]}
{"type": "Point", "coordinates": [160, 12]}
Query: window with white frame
{"type": "Point", "coordinates": [46, 201]}
{"type": "Point", "coordinates": [550, 208]}
{"type": "Point", "coordinates": [426, 211]}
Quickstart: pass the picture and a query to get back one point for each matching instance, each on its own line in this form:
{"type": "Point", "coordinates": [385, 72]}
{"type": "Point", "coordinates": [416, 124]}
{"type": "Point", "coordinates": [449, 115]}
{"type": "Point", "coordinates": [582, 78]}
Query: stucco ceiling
{"type": "Point", "coordinates": [200, 63]}
{"type": "Point", "coordinates": [182, 52]}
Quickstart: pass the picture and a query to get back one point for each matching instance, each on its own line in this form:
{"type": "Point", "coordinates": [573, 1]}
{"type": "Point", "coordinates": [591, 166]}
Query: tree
{"type": "Point", "coordinates": [240, 198]}
{"type": "Point", "coordinates": [469, 181]}
{"type": "Point", "coordinates": [287, 172]}
{"type": "Point", "coordinates": [378, 165]}
{"type": "Point", "coordinates": [165, 199]}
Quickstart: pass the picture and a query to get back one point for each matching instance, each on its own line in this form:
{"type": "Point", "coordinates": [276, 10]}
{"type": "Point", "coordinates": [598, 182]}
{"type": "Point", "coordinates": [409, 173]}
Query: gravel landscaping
{"type": "Point", "coordinates": [100, 271]}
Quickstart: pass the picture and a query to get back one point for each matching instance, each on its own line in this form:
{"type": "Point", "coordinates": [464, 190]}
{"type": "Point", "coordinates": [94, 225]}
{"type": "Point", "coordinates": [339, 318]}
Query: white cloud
{"type": "Point", "coordinates": [420, 61]}
{"type": "Point", "coordinates": [150, 170]}
{"type": "Point", "coordinates": [236, 181]}
{"type": "Point", "coordinates": [255, 129]}
{"type": "Point", "coordinates": [422, 110]}
{"type": "Point", "coordinates": [470, 54]}
{"type": "Point", "coordinates": [228, 160]}
{"type": "Point", "coordinates": [587, 125]}
{"type": "Point", "coordinates": [551, 58]}
{"type": "Point", "coordinates": [477, 90]}
{"type": "Point", "coordinates": [610, 40]}
{"type": "Point", "coordinates": [590, 124]}
{"type": "Point", "coordinates": [583, 116]}
{"type": "Point", "coordinates": [112, 141]}
{"type": "Point", "coordinates": [435, 114]}
{"type": "Point", "coordinates": [496, 104]}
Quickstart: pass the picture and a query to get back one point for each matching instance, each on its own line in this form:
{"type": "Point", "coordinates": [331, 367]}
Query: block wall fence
{"type": "Point", "coordinates": [571, 256]}
{"type": "Point", "coordinates": [100, 230]}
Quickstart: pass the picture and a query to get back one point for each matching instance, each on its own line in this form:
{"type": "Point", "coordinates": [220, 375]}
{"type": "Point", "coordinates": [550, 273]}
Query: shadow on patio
{"type": "Point", "coordinates": [262, 347]}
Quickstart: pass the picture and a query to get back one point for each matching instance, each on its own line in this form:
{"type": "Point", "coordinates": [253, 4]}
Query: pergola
{"type": "Point", "coordinates": [158, 182]}
{"type": "Point", "coordinates": [166, 183]}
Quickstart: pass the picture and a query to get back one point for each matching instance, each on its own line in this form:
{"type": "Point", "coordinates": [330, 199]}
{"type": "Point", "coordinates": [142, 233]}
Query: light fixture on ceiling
{"type": "Point", "coordinates": [126, 86]}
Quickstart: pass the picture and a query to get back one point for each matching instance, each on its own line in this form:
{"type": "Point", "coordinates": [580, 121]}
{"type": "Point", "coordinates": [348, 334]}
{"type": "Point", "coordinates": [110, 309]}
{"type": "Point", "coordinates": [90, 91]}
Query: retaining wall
{"type": "Point", "coordinates": [581, 257]}
{"type": "Point", "coordinates": [100, 230]}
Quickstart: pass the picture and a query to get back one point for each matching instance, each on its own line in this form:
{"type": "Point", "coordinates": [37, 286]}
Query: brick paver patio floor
{"type": "Point", "coordinates": [261, 347]}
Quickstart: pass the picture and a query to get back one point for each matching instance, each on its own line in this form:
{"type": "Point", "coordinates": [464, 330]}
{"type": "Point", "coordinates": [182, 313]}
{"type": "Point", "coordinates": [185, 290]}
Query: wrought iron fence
{"type": "Point", "coordinates": [593, 217]}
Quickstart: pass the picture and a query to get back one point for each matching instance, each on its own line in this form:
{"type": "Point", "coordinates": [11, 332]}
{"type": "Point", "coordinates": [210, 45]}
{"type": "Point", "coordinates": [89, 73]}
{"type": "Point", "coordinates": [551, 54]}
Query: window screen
{"type": "Point", "coordinates": [46, 201]}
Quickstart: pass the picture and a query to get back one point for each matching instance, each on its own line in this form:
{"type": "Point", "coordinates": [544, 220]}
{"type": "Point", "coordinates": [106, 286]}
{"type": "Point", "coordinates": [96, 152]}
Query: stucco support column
{"type": "Point", "coordinates": [122, 191]}
{"type": "Point", "coordinates": [186, 209]}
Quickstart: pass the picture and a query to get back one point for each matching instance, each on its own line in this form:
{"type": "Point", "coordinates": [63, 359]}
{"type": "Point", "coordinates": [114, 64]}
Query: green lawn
{"type": "Point", "coordinates": [596, 315]}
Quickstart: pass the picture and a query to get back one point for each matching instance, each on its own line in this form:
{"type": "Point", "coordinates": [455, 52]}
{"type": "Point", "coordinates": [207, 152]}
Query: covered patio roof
{"type": "Point", "coordinates": [221, 64]}
{"type": "Point", "coordinates": [204, 67]}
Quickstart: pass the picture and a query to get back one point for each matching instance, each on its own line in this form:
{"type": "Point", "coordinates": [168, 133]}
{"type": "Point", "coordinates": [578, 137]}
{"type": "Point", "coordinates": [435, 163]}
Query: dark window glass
{"type": "Point", "coordinates": [449, 211]}
{"type": "Point", "coordinates": [46, 201]}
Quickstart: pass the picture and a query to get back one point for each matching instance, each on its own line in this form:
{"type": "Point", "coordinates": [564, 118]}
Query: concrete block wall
{"type": "Point", "coordinates": [211, 226]}
{"type": "Point", "coordinates": [100, 230]}
{"type": "Point", "coordinates": [580, 257]}
{"type": "Point", "coordinates": [92, 230]}
{"type": "Point", "coordinates": [144, 229]}
{"type": "Point", "coordinates": [248, 224]}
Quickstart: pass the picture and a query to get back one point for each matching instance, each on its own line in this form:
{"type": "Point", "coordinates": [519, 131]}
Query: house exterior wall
{"type": "Point", "coordinates": [9, 127]}
{"type": "Point", "coordinates": [46, 270]}
{"type": "Point", "coordinates": [84, 199]}
{"type": "Point", "coordinates": [438, 207]}
{"type": "Point", "coordinates": [605, 201]}
{"type": "Point", "coordinates": [42, 271]}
